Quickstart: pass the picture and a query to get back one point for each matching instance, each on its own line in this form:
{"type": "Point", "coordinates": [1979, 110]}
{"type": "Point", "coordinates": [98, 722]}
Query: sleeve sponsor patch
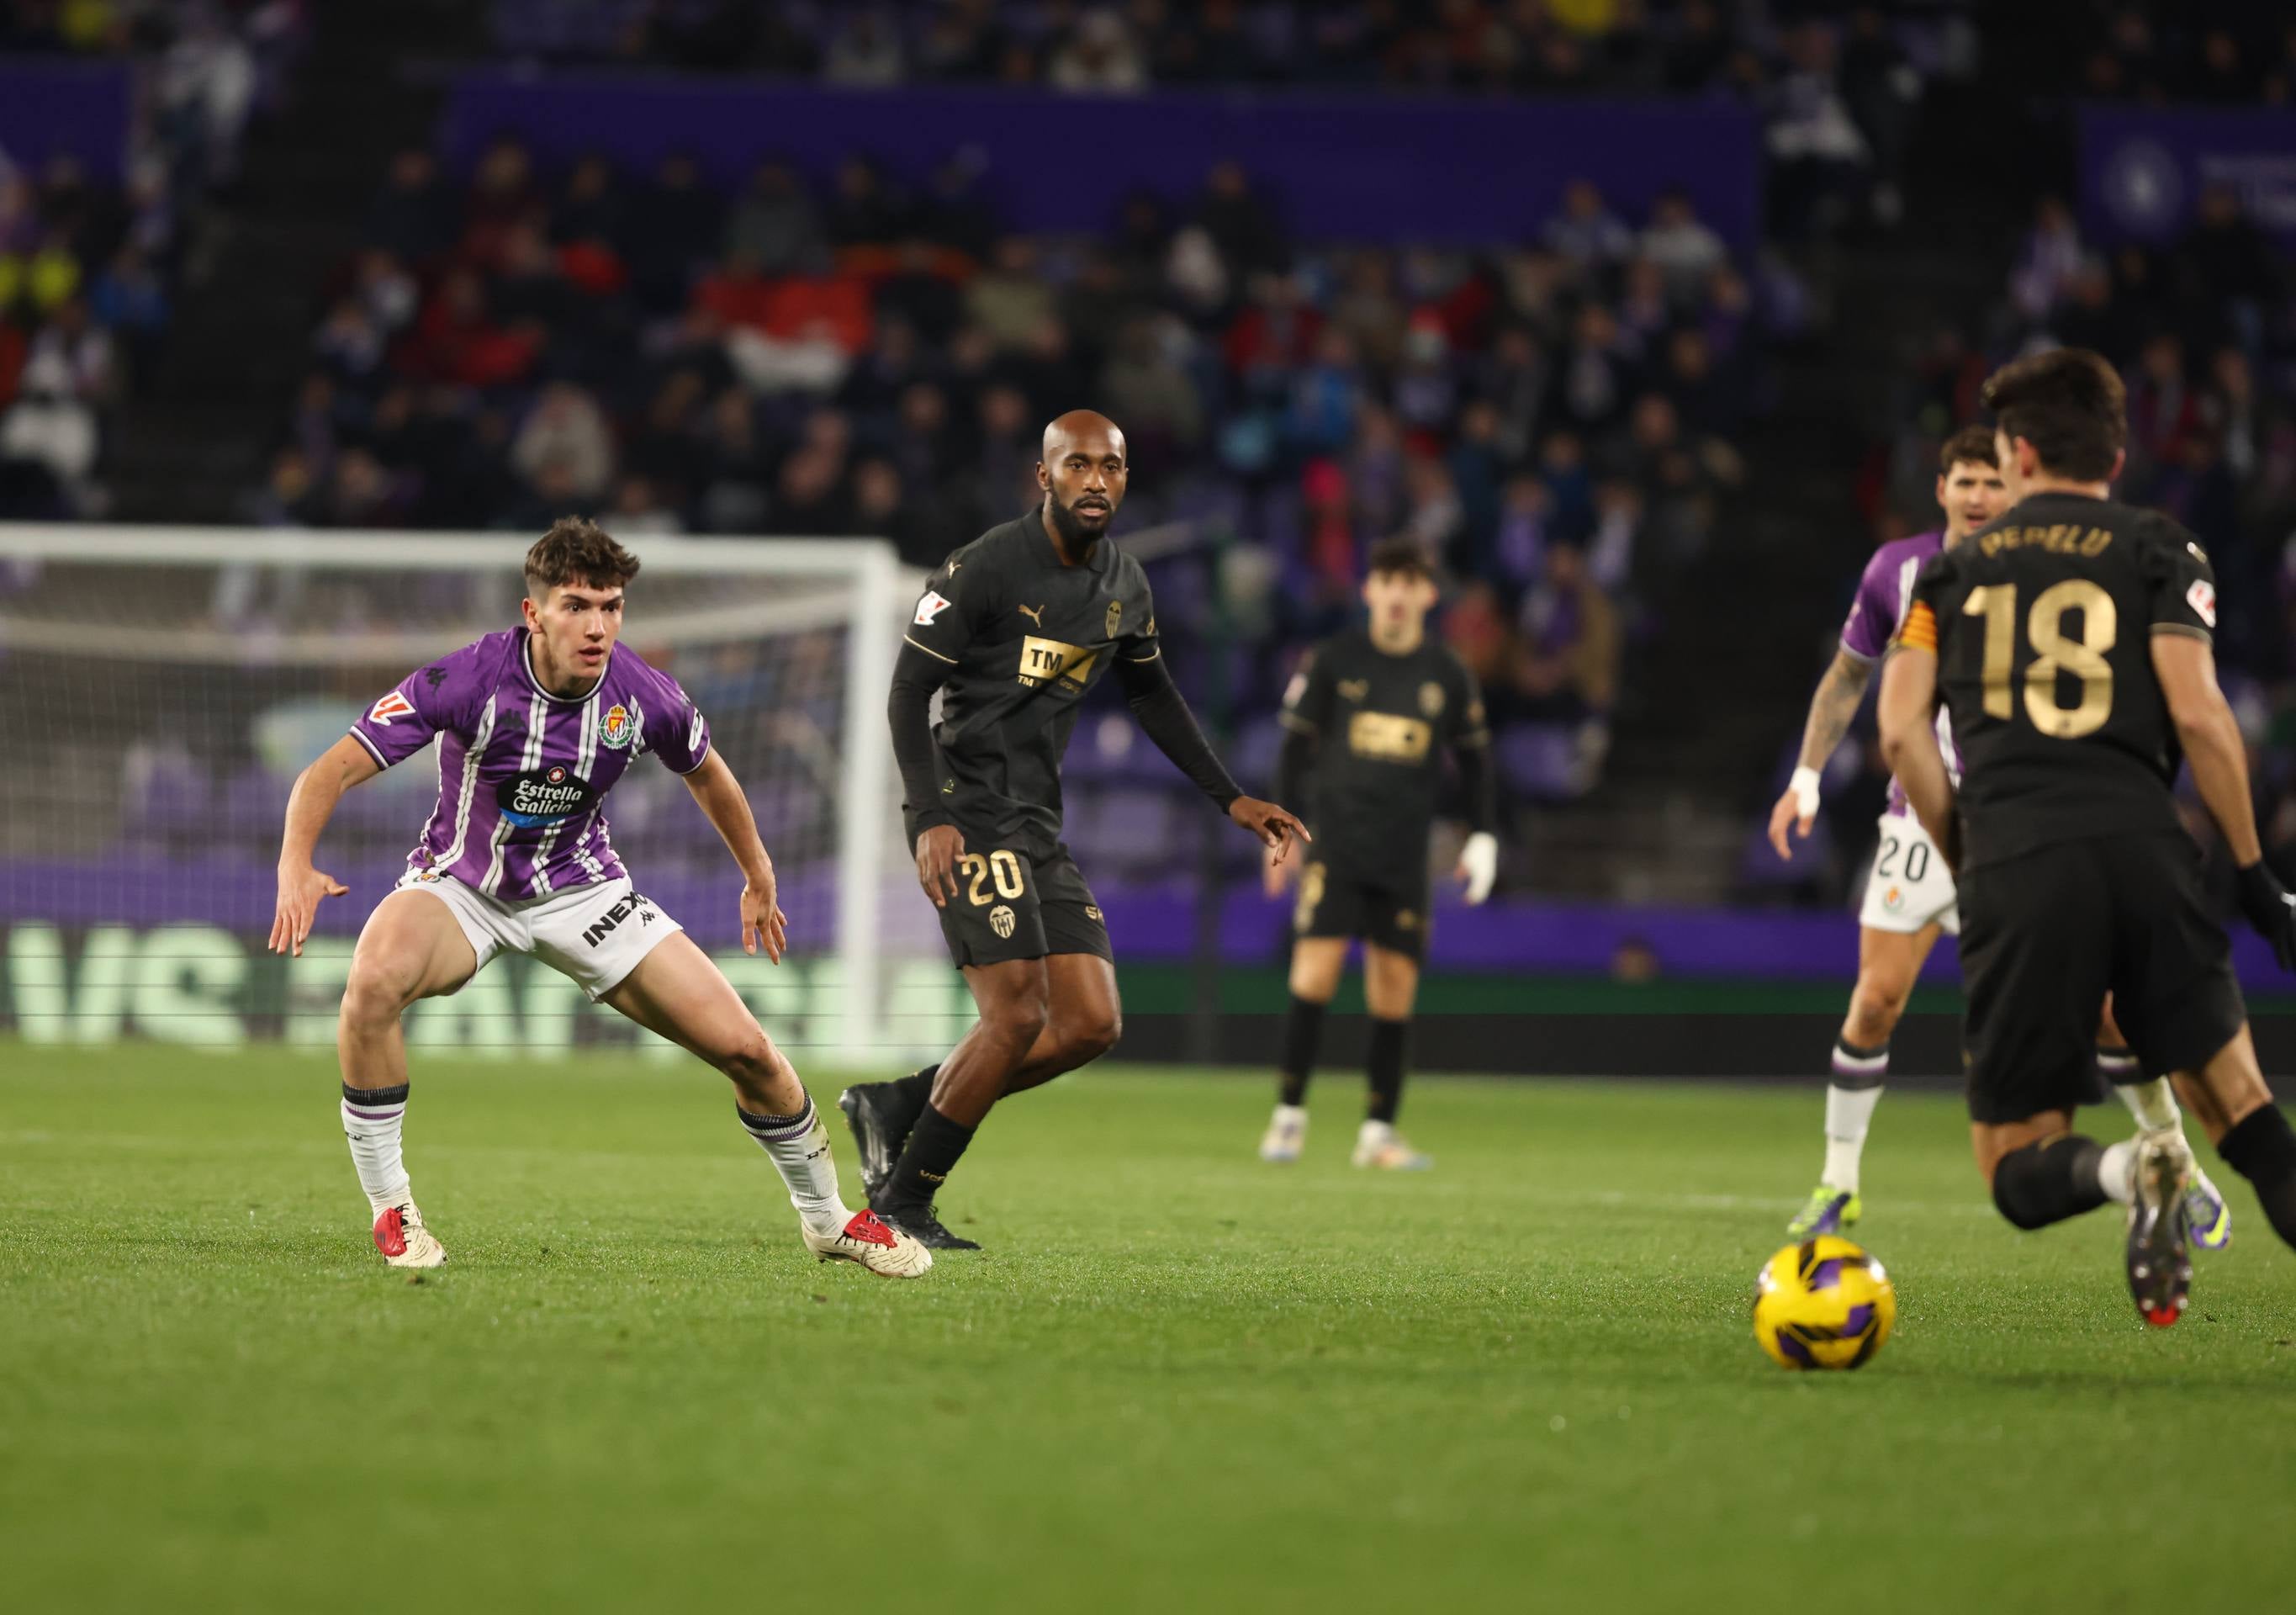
{"type": "Point", "coordinates": [932, 606]}
{"type": "Point", "coordinates": [397, 705]}
{"type": "Point", "coordinates": [1293, 690]}
{"type": "Point", "coordinates": [2202, 598]}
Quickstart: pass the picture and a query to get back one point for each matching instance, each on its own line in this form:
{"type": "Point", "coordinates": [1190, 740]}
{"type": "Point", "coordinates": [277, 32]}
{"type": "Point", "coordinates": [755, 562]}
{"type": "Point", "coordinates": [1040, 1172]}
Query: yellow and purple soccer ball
{"type": "Point", "coordinates": [1823, 1304]}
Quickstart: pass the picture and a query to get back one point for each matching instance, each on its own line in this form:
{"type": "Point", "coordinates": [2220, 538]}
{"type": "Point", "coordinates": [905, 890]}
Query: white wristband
{"type": "Point", "coordinates": [1804, 786]}
{"type": "Point", "coordinates": [1479, 857]}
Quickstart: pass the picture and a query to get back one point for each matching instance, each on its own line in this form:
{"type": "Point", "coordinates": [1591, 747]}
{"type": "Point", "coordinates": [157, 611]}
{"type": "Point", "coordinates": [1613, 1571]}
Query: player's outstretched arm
{"type": "Point", "coordinates": [1909, 744]}
{"type": "Point", "coordinates": [2186, 665]}
{"type": "Point", "coordinates": [309, 806]}
{"type": "Point", "coordinates": [1163, 714]}
{"type": "Point", "coordinates": [1831, 710]}
{"type": "Point", "coordinates": [722, 800]}
{"type": "Point", "coordinates": [1292, 762]}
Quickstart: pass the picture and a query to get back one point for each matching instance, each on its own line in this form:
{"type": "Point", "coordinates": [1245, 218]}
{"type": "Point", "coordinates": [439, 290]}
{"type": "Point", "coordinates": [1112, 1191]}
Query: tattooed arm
{"type": "Point", "coordinates": [1831, 710]}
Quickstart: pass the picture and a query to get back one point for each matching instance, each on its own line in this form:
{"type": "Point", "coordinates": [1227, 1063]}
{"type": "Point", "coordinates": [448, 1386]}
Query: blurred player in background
{"type": "Point", "coordinates": [1909, 891]}
{"type": "Point", "coordinates": [1012, 631]}
{"type": "Point", "coordinates": [1367, 719]}
{"type": "Point", "coordinates": [535, 725]}
{"type": "Point", "coordinates": [2070, 643]}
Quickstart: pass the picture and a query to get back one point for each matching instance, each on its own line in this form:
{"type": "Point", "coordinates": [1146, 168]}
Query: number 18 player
{"type": "Point", "coordinates": [1909, 893]}
{"type": "Point", "coordinates": [2070, 643]}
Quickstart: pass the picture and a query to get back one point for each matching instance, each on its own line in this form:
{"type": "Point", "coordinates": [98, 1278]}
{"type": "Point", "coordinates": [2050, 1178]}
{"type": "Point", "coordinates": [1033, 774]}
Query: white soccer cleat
{"type": "Point", "coordinates": [1286, 1136]}
{"type": "Point", "coordinates": [403, 1240]}
{"type": "Point", "coordinates": [1381, 1147]}
{"type": "Point", "coordinates": [883, 1249]}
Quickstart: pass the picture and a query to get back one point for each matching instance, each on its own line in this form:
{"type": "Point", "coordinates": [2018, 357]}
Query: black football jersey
{"type": "Point", "coordinates": [2042, 625]}
{"type": "Point", "coordinates": [1380, 722]}
{"type": "Point", "coordinates": [1025, 637]}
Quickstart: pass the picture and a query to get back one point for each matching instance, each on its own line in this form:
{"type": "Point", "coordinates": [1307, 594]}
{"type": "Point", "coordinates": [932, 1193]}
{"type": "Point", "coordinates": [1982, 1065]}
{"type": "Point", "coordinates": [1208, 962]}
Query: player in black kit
{"type": "Point", "coordinates": [1370, 713]}
{"type": "Point", "coordinates": [1012, 631]}
{"type": "Point", "coordinates": [2070, 641]}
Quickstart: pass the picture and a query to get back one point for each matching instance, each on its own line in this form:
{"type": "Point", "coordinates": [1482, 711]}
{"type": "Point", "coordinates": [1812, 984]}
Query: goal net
{"type": "Point", "coordinates": [163, 686]}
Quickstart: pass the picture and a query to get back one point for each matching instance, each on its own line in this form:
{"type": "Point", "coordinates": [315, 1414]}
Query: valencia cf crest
{"type": "Point", "coordinates": [1354, 689]}
{"type": "Point", "coordinates": [1115, 615]}
{"type": "Point", "coordinates": [619, 726]}
{"type": "Point", "coordinates": [1431, 698]}
{"type": "Point", "coordinates": [1001, 921]}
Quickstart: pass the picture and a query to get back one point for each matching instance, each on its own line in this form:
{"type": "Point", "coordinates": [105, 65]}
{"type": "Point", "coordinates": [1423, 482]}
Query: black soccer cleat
{"type": "Point", "coordinates": [920, 1223]}
{"type": "Point", "coordinates": [2159, 1255]}
{"type": "Point", "coordinates": [877, 1133]}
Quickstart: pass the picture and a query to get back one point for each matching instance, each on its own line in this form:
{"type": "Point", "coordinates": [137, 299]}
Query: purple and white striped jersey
{"type": "Point", "coordinates": [1883, 595]}
{"type": "Point", "coordinates": [523, 774]}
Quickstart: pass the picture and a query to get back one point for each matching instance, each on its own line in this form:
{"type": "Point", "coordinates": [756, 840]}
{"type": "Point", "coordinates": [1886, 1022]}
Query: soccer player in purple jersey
{"type": "Point", "coordinates": [1910, 898]}
{"type": "Point", "coordinates": [534, 725]}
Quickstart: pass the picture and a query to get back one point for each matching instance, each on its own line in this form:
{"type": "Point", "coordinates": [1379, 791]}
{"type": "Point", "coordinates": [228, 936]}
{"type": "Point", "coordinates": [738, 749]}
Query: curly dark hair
{"type": "Point", "coordinates": [1972, 445]}
{"type": "Point", "coordinates": [2069, 405]}
{"type": "Point", "coordinates": [577, 550]}
{"type": "Point", "coordinates": [1400, 555]}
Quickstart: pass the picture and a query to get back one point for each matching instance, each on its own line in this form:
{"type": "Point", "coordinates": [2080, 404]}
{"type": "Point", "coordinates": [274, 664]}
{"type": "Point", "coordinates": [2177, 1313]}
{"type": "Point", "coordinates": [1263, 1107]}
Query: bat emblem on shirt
{"type": "Point", "coordinates": [1354, 689]}
{"type": "Point", "coordinates": [1035, 614]}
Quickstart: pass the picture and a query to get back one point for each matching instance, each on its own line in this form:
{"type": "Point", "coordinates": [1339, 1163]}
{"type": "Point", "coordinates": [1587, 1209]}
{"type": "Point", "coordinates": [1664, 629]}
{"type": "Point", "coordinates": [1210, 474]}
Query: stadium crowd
{"type": "Point", "coordinates": [90, 260]}
{"type": "Point", "coordinates": [1553, 419]}
{"type": "Point", "coordinates": [1838, 90]}
{"type": "Point", "coordinates": [2203, 330]}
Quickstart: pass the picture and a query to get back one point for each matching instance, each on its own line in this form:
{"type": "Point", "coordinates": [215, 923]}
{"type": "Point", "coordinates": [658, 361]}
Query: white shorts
{"type": "Point", "coordinates": [593, 935]}
{"type": "Point", "coordinates": [1910, 886]}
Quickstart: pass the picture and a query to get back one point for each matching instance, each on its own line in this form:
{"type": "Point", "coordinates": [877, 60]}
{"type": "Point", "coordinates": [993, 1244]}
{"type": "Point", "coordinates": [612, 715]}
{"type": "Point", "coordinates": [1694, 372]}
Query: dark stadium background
{"type": "Point", "coordinates": [1644, 319]}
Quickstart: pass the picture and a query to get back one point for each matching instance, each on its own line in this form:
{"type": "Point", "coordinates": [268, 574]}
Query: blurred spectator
{"type": "Point", "coordinates": [865, 52]}
{"type": "Point", "coordinates": [1585, 231]}
{"type": "Point", "coordinates": [566, 430]}
{"type": "Point", "coordinates": [1097, 57]}
{"type": "Point", "coordinates": [1571, 643]}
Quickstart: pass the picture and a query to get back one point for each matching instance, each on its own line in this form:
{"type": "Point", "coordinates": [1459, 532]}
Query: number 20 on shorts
{"type": "Point", "coordinates": [1000, 866]}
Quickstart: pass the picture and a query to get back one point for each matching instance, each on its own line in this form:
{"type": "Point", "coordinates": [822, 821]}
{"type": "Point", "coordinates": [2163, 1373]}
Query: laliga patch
{"type": "Point", "coordinates": [393, 705]}
{"type": "Point", "coordinates": [932, 606]}
{"type": "Point", "coordinates": [2202, 598]}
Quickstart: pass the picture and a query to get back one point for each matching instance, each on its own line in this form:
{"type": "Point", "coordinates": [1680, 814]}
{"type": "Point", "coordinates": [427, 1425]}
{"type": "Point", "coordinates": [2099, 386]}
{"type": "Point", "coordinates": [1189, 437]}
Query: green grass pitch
{"type": "Point", "coordinates": [1179, 1380]}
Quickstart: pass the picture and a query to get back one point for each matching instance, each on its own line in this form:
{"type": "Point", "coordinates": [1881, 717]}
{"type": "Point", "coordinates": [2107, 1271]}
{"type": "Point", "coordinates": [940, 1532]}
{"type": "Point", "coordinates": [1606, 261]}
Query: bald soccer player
{"type": "Point", "coordinates": [1013, 630]}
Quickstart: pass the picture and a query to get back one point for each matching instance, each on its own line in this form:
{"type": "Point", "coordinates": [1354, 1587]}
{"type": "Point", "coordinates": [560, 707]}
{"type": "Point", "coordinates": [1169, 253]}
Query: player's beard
{"type": "Point", "coordinates": [1076, 537]}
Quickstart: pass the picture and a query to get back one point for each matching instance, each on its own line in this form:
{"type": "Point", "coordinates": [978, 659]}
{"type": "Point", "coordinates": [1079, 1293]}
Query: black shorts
{"type": "Point", "coordinates": [1009, 906]}
{"type": "Point", "coordinates": [1338, 901]}
{"type": "Point", "coordinates": [2045, 936]}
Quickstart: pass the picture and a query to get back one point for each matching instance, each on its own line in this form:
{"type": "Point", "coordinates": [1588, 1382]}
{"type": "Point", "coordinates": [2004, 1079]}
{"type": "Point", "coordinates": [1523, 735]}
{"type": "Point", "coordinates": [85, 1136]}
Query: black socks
{"type": "Point", "coordinates": [1384, 1066]}
{"type": "Point", "coordinates": [2048, 1183]}
{"type": "Point", "coordinates": [2262, 1148]}
{"type": "Point", "coordinates": [1303, 1030]}
{"type": "Point", "coordinates": [936, 1144]}
{"type": "Point", "coordinates": [913, 1093]}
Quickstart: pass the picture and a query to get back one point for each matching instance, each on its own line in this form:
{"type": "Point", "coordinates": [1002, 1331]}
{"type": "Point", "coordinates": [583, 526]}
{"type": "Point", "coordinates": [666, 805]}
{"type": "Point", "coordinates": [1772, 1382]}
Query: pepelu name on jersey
{"type": "Point", "coordinates": [542, 796]}
{"type": "Point", "coordinates": [1389, 736]}
{"type": "Point", "coordinates": [2064, 538]}
{"type": "Point", "coordinates": [1044, 661]}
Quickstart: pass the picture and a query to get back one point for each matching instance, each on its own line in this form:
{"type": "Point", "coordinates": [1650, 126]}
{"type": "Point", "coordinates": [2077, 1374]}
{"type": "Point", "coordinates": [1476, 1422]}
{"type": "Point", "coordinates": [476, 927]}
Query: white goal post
{"type": "Point", "coordinates": [158, 681]}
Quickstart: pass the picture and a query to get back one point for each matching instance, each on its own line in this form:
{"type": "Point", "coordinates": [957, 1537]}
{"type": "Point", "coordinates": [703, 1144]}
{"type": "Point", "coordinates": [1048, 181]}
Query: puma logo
{"type": "Point", "coordinates": [1035, 614]}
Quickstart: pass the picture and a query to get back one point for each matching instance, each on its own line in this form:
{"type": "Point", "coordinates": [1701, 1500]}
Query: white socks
{"type": "Point", "coordinates": [1849, 1113]}
{"type": "Point", "coordinates": [374, 1119]}
{"type": "Point", "coordinates": [2113, 1174]}
{"type": "Point", "coordinates": [2153, 1104]}
{"type": "Point", "coordinates": [798, 1146]}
